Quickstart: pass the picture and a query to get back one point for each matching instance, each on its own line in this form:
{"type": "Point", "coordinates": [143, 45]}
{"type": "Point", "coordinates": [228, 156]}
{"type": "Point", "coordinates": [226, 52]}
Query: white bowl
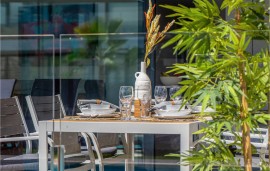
{"type": "Point", "coordinates": [170, 80]}
{"type": "Point", "coordinates": [99, 106]}
{"type": "Point", "coordinates": [174, 107]}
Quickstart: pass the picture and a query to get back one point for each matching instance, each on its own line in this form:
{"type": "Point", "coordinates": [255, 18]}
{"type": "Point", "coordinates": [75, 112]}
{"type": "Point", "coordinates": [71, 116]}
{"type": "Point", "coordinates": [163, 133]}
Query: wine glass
{"type": "Point", "coordinates": [172, 92]}
{"type": "Point", "coordinates": [126, 95]}
{"type": "Point", "coordinates": [160, 94]}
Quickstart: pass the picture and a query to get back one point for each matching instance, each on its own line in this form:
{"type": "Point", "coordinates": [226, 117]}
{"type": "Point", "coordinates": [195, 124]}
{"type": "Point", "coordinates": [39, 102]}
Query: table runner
{"type": "Point", "coordinates": [192, 118]}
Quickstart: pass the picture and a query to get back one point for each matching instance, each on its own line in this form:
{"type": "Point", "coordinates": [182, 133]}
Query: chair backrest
{"type": "Point", "coordinates": [11, 117]}
{"type": "Point", "coordinates": [94, 89]}
{"type": "Point", "coordinates": [6, 88]}
{"type": "Point", "coordinates": [104, 139]}
{"type": "Point", "coordinates": [67, 88]}
{"type": "Point", "coordinates": [69, 93]}
{"type": "Point", "coordinates": [45, 108]}
{"type": "Point", "coordinates": [51, 107]}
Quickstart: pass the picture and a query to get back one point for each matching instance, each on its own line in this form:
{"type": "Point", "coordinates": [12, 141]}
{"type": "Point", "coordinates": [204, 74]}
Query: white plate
{"type": "Point", "coordinates": [99, 106]}
{"type": "Point", "coordinates": [172, 117]}
{"type": "Point", "coordinates": [198, 109]}
{"type": "Point", "coordinates": [112, 115]}
{"type": "Point", "coordinates": [93, 112]}
{"type": "Point", "coordinates": [183, 112]}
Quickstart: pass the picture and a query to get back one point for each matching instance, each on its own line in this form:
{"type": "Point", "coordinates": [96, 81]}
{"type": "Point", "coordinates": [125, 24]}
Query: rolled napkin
{"type": "Point", "coordinates": [95, 101]}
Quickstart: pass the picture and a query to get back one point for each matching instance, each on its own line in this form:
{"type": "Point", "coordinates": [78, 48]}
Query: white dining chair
{"type": "Point", "coordinates": [51, 107]}
{"type": "Point", "coordinates": [105, 144]}
{"type": "Point", "coordinates": [14, 129]}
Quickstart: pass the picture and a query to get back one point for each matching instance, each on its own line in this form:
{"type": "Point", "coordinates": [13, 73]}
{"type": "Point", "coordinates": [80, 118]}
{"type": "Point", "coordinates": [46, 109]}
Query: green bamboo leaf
{"type": "Point", "coordinates": [247, 43]}
{"type": "Point", "coordinates": [234, 95]}
{"type": "Point", "coordinates": [172, 41]}
{"type": "Point", "coordinates": [261, 120]}
{"type": "Point", "coordinates": [205, 101]}
{"type": "Point", "coordinates": [229, 126]}
{"type": "Point", "coordinates": [213, 96]}
{"type": "Point", "coordinates": [242, 41]}
{"type": "Point", "coordinates": [190, 69]}
{"type": "Point", "coordinates": [233, 37]}
{"type": "Point", "coordinates": [187, 82]}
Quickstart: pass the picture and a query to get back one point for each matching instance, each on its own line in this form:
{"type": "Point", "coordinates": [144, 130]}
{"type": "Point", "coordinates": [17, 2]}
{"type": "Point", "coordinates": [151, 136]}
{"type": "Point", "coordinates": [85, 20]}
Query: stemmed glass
{"type": "Point", "coordinates": [126, 95]}
{"type": "Point", "coordinates": [172, 92]}
{"type": "Point", "coordinates": [160, 94]}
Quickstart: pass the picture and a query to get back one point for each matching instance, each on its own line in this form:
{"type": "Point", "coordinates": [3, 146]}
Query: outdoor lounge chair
{"type": "Point", "coordinates": [51, 107]}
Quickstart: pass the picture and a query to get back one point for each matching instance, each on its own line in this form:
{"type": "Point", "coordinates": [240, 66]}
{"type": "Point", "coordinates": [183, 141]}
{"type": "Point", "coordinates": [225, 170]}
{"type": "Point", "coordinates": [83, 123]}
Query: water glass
{"type": "Point", "coordinates": [145, 105]}
{"type": "Point", "coordinates": [126, 95]}
{"type": "Point", "coordinates": [160, 94]}
{"type": "Point", "coordinates": [172, 94]}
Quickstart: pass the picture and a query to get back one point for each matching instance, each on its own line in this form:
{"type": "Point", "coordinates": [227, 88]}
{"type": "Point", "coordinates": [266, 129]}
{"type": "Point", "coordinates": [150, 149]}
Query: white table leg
{"type": "Point", "coordinates": [130, 142]}
{"type": "Point", "coordinates": [186, 142]}
{"type": "Point", "coordinates": [43, 147]}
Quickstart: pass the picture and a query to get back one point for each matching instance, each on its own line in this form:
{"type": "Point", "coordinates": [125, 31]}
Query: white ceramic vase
{"type": "Point", "coordinates": [142, 83]}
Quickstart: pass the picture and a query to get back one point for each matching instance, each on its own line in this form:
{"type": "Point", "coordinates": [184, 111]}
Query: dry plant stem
{"type": "Point", "coordinates": [244, 110]}
{"type": "Point", "coordinates": [153, 35]}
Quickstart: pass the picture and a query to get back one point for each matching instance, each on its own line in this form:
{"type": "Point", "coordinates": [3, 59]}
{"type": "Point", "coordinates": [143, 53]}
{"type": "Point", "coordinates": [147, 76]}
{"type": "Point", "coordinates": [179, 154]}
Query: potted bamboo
{"type": "Point", "coordinates": [223, 74]}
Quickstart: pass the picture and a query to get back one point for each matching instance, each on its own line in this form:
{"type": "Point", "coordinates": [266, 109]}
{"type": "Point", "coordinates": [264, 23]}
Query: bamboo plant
{"type": "Point", "coordinates": [223, 74]}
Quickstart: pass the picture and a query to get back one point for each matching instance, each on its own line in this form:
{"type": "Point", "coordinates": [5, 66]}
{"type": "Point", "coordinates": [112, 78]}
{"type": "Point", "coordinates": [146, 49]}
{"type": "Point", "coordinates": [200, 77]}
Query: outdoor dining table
{"type": "Point", "coordinates": [185, 128]}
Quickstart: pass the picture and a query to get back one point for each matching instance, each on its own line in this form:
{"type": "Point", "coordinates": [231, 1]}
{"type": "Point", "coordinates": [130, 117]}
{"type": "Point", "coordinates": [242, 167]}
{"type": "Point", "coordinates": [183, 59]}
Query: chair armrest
{"type": "Point", "coordinates": [9, 139]}
{"type": "Point", "coordinates": [33, 134]}
{"type": "Point", "coordinates": [252, 135]}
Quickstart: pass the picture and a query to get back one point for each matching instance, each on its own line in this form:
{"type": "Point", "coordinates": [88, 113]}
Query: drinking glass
{"type": "Point", "coordinates": [126, 96]}
{"type": "Point", "coordinates": [160, 94]}
{"type": "Point", "coordinates": [172, 92]}
{"type": "Point", "coordinates": [145, 104]}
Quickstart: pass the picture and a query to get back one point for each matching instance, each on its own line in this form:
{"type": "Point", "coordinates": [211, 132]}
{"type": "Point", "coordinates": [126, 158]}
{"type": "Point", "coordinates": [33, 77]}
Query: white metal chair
{"type": "Point", "coordinates": [14, 129]}
{"type": "Point", "coordinates": [51, 107]}
{"type": "Point", "coordinates": [259, 140]}
{"type": "Point", "coordinates": [105, 143]}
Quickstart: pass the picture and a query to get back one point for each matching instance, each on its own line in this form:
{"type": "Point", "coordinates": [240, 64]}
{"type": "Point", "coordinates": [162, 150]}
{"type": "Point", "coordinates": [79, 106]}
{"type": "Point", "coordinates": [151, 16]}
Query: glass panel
{"type": "Point", "coordinates": [88, 64]}
{"type": "Point", "coordinates": [27, 59]}
{"type": "Point", "coordinates": [103, 63]}
{"type": "Point", "coordinates": [62, 17]}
